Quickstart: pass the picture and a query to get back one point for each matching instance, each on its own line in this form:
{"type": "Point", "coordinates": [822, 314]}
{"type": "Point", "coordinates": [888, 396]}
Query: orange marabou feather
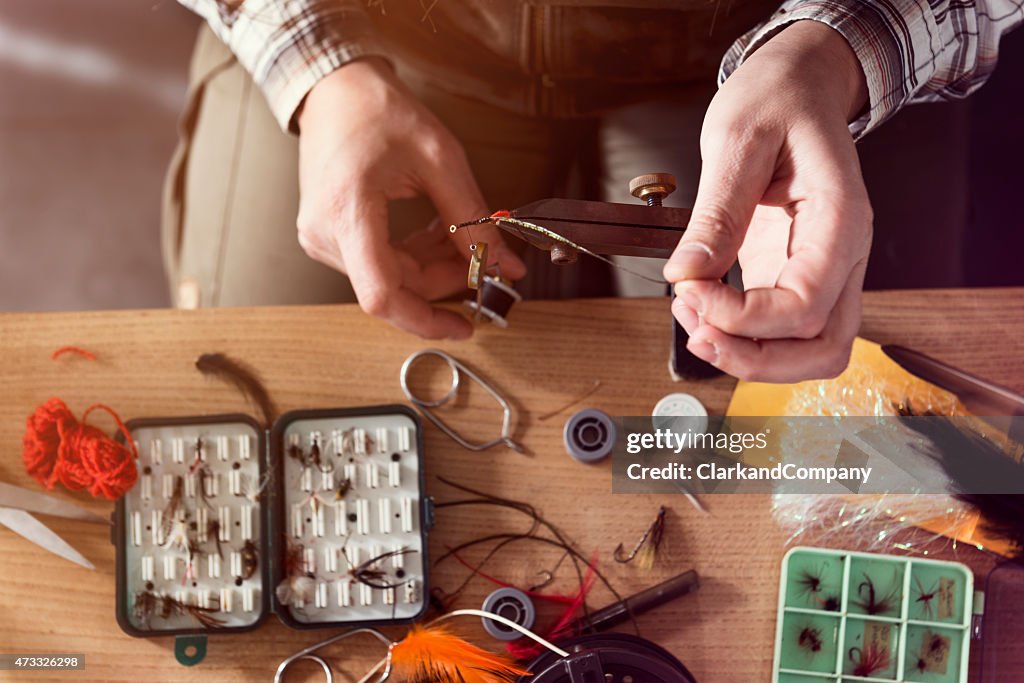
{"type": "Point", "coordinates": [436, 655]}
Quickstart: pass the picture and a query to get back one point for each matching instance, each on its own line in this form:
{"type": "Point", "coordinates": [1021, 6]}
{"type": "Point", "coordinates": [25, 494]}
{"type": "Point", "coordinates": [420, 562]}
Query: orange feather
{"type": "Point", "coordinates": [436, 655]}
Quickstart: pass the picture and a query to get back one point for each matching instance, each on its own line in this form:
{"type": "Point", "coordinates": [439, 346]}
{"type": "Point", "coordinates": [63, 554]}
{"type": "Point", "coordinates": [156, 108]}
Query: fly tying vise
{"type": "Point", "coordinates": [458, 369]}
{"type": "Point", "coordinates": [538, 236]}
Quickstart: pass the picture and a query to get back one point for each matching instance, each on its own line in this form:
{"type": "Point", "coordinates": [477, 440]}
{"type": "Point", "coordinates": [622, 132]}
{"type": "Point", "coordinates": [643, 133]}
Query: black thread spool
{"type": "Point", "coordinates": [495, 300]}
{"type": "Point", "coordinates": [609, 657]}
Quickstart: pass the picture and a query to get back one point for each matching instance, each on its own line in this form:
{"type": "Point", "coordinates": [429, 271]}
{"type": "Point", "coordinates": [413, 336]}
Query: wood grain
{"type": "Point", "coordinates": [336, 356]}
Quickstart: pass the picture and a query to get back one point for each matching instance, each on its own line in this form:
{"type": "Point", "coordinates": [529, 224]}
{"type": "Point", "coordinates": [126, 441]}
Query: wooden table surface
{"type": "Point", "coordinates": [336, 356]}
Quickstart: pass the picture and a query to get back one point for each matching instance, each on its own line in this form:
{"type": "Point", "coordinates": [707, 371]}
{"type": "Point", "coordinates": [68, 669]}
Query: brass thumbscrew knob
{"type": "Point", "coordinates": [652, 187]}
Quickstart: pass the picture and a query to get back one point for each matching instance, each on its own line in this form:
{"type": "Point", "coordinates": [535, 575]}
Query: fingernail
{"type": "Point", "coordinates": [690, 298]}
{"type": "Point", "coordinates": [686, 316]}
{"type": "Point", "coordinates": [693, 255]}
{"type": "Point", "coordinates": [705, 349]}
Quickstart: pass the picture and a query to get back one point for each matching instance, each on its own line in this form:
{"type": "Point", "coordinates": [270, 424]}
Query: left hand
{"type": "Point", "coordinates": [781, 190]}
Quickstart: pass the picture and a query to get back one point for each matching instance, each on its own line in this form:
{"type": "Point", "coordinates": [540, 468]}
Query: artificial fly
{"type": "Point", "coordinates": [250, 559]}
{"type": "Point", "coordinates": [925, 597]}
{"type": "Point", "coordinates": [810, 582]}
{"type": "Point", "coordinates": [170, 512]}
{"type": "Point", "coordinates": [313, 458]}
{"type": "Point", "coordinates": [349, 443]}
{"type": "Point", "coordinates": [370, 573]}
{"type": "Point", "coordinates": [868, 660]}
{"type": "Point", "coordinates": [298, 585]}
{"type": "Point", "coordinates": [541, 237]}
{"type": "Point", "coordinates": [810, 640]}
{"type": "Point", "coordinates": [871, 603]}
{"type": "Point", "coordinates": [149, 604]}
{"type": "Point", "coordinates": [645, 552]}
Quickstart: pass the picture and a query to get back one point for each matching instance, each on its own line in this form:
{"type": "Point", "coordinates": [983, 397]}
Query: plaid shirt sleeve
{"type": "Point", "coordinates": [289, 45]}
{"type": "Point", "coordinates": [910, 50]}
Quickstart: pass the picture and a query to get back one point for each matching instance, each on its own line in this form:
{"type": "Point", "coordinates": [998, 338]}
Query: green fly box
{"type": "Point", "coordinates": [849, 616]}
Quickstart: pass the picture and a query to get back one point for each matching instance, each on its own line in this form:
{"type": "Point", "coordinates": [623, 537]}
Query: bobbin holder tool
{"type": "Point", "coordinates": [257, 510]}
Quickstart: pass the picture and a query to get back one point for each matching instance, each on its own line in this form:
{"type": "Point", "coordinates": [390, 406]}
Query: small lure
{"type": "Point", "coordinates": [250, 560]}
{"type": "Point", "coordinates": [370, 574]}
{"type": "Point", "coordinates": [645, 552]}
{"type": "Point", "coordinates": [810, 639]}
{"type": "Point", "coordinates": [869, 660]}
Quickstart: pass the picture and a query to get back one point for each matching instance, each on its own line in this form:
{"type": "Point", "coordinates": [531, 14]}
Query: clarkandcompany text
{"type": "Point", "coordinates": [781, 472]}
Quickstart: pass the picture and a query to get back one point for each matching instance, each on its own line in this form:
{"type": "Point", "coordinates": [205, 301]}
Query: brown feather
{"type": "Point", "coordinates": [241, 377]}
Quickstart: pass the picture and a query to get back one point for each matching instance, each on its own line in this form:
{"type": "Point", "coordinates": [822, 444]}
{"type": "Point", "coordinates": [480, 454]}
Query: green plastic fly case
{"type": "Point", "coordinates": [848, 616]}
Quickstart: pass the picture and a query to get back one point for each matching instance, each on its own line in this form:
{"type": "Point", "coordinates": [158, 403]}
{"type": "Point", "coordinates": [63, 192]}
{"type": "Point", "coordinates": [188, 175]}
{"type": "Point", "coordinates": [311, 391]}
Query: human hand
{"type": "Point", "coordinates": [364, 140]}
{"type": "Point", "coordinates": [780, 189]}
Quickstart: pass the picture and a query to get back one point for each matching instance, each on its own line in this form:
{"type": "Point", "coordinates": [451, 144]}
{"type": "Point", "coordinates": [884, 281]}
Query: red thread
{"type": "Point", "coordinates": [501, 214]}
{"type": "Point", "coordinates": [57, 447]}
{"type": "Point", "coordinates": [565, 627]}
{"type": "Point", "coordinates": [84, 353]}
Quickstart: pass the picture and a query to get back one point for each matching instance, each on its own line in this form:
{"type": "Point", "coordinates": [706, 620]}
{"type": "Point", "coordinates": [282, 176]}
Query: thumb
{"type": "Point", "coordinates": [457, 197]}
{"type": "Point", "coordinates": [732, 182]}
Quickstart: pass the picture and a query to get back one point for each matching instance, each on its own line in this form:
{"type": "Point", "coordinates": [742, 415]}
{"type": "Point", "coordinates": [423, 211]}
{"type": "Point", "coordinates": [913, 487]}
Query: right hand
{"type": "Point", "coordinates": [781, 190]}
{"type": "Point", "coordinates": [365, 140]}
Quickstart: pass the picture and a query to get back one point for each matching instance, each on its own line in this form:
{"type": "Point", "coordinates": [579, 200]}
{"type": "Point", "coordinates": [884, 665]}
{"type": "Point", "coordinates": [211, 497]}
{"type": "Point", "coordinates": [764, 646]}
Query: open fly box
{"type": "Point", "coordinates": [322, 520]}
{"type": "Point", "coordinates": [847, 616]}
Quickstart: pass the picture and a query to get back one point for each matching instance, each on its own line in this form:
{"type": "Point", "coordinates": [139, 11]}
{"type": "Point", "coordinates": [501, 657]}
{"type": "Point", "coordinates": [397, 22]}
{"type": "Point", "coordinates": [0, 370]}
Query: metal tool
{"type": "Point", "coordinates": [382, 670]}
{"type": "Point", "coordinates": [16, 508]}
{"type": "Point", "coordinates": [995, 404]}
{"type": "Point", "coordinates": [310, 654]}
{"type": "Point", "coordinates": [458, 369]}
{"type": "Point", "coordinates": [610, 227]}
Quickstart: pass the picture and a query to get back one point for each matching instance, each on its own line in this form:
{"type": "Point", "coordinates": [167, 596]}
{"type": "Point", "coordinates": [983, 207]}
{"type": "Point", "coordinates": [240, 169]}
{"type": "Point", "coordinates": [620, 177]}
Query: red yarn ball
{"type": "Point", "coordinates": [57, 447]}
{"type": "Point", "coordinates": [42, 438]}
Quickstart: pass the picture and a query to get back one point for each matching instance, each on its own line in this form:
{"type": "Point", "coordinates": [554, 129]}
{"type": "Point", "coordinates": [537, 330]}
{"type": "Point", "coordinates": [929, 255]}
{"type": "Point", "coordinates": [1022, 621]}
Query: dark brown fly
{"type": "Point", "coordinates": [173, 504]}
{"type": "Point", "coordinates": [810, 639]}
{"type": "Point", "coordinates": [250, 559]}
{"type": "Point", "coordinates": [370, 573]}
{"type": "Point", "coordinates": [924, 597]}
{"type": "Point", "coordinates": [149, 604]}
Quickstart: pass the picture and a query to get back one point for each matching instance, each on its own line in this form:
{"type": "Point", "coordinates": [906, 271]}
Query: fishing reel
{"type": "Point", "coordinates": [608, 658]}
